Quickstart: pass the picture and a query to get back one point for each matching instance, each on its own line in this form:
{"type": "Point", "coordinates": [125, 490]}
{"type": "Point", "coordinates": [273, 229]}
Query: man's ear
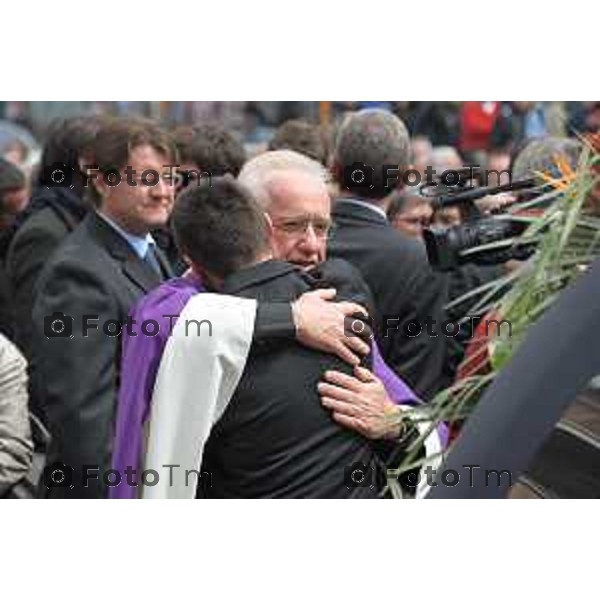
{"type": "Point", "coordinates": [269, 223]}
{"type": "Point", "coordinates": [270, 228]}
{"type": "Point", "coordinates": [95, 177]}
{"type": "Point", "coordinates": [336, 171]}
{"type": "Point", "coordinates": [86, 163]}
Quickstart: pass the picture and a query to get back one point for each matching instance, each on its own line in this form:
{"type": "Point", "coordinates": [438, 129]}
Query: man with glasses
{"type": "Point", "coordinates": [292, 191]}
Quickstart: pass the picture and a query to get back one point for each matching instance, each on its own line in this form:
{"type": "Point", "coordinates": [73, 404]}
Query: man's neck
{"type": "Point", "coordinates": [215, 282]}
{"type": "Point", "coordinates": [127, 227]}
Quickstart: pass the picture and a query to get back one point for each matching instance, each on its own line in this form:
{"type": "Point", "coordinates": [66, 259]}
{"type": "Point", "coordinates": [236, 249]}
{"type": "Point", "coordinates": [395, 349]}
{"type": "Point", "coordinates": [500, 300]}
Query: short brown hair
{"type": "Point", "coordinates": [118, 136]}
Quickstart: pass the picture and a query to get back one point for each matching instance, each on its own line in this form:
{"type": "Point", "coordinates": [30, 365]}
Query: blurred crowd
{"type": "Point", "coordinates": [67, 246]}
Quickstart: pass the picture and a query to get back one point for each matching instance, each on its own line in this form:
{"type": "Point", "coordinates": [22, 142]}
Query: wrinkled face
{"type": "Point", "coordinates": [414, 218]}
{"type": "Point", "coordinates": [141, 201]}
{"type": "Point", "coordinates": [300, 215]}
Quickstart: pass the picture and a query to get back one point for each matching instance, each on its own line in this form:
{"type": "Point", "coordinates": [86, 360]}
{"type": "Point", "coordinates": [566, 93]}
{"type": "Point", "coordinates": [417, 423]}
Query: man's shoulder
{"type": "Point", "coordinates": [379, 242]}
{"type": "Point", "coordinates": [346, 279]}
{"type": "Point", "coordinates": [80, 260]}
{"type": "Point", "coordinates": [334, 270]}
{"type": "Point", "coordinates": [41, 228]}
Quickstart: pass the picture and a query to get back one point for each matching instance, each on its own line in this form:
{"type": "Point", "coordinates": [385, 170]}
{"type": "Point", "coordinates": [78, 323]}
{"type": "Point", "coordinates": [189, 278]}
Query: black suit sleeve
{"type": "Point", "coordinates": [77, 376]}
{"type": "Point", "coordinates": [274, 321]}
{"type": "Point", "coordinates": [422, 360]}
{"type": "Point", "coordinates": [28, 253]}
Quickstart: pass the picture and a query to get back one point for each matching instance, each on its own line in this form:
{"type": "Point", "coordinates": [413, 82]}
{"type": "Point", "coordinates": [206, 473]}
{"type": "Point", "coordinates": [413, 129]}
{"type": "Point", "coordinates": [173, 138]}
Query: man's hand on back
{"type": "Point", "coordinates": [320, 324]}
{"type": "Point", "coordinates": [360, 403]}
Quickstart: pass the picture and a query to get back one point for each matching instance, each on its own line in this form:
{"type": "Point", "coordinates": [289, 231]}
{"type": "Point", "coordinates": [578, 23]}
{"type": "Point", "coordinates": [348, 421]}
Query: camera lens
{"type": "Point", "coordinates": [357, 326]}
{"type": "Point", "coordinates": [361, 176]}
{"type": "Point", "coordinates": [58, 326]}
{"type": "Point", "coordinates": [57, 476]}
{"type": "Point", "coordinates": [357, 476]}
{"type": "Point", "coordinates": [58, 176]}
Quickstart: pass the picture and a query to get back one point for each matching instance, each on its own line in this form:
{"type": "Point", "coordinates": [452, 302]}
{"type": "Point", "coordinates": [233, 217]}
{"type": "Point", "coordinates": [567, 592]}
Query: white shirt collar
{"type": "Point", "coordinates": [139, 244]}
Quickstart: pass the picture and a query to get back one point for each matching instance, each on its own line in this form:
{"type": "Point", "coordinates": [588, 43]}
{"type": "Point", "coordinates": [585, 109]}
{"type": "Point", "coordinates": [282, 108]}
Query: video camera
{"type": "Point", "coordinates": [471, 240]}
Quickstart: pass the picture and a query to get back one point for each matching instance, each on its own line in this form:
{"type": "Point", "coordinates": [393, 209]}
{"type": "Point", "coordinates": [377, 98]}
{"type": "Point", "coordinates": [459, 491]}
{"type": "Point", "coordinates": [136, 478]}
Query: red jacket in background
{"type": "Point", "coordinates": [476, 123]}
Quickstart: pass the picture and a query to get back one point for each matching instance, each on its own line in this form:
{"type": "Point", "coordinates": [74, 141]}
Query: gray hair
{"type": "Point", "coordinates": [257, 172]}
{"type": "Point", "coordinates": [540, 156]}
{"type": "Point", "coordinates": [375, 138]}
{"type": "Point", "coordinates": [445, 157]}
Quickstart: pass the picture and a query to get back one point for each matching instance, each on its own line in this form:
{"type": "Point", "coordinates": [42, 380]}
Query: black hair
{"type": "Point", "coordinates": [216, 150]}
{"type": "Point", "coordinates": [219, 226]}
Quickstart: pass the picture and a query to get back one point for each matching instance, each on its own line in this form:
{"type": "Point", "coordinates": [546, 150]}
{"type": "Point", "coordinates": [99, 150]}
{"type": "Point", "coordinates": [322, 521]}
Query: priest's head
{"type": "Point", "coordinates": [219, 229]}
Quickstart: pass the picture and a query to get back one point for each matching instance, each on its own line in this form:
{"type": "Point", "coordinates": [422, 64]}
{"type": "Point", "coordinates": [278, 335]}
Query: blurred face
{"type": "Point", "coordinates": [13, 202]}
{"type": "Point", "coordinates": [300, 217]}
{"type": "Point", "coordinates": [499, 162]}
{"type": "Point", "coordinates": [146, 205]}
{"type": "Point", "coordinates": [414, 218]}
{"type": "Point", "coordinates": [447, 217]}
{"type": "Point", "coordinates": [421, 149]}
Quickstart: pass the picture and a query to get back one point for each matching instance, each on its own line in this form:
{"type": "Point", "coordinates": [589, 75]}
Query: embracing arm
{"type": "Point", "coordinates": [315, 321]}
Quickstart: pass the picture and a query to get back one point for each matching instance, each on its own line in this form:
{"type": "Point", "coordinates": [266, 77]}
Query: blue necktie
{"type": "Point", "coordinates": [151, 260]}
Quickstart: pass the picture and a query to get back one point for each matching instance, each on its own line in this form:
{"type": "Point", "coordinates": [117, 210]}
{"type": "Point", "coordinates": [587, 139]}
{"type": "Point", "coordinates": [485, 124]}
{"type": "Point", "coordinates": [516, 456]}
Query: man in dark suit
{"type": "Point", "coordinates": [53, 213]}
{"type": "Point", "coordinates": [100, 270]}
{"type": "Point", "coordinates": [407, 292]}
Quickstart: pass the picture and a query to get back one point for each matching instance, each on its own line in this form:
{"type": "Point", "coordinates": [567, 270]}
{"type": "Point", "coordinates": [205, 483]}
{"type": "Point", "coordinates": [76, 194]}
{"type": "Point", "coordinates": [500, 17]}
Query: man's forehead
{"type": "Point", "coordinates": [144, 153]}
{"type": "Point", "coordinates": [299, 192]}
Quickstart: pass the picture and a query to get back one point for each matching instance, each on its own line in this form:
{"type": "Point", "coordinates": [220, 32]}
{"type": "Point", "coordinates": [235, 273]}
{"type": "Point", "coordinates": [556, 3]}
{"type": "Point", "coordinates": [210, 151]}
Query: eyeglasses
{"type": "Point", "coordinates": [322, 228]}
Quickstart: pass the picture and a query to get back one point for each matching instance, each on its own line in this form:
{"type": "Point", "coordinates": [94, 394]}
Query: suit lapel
{"type": "Point", "coordinates": [140, 273]}
{"type": "Point", "coordinates": [165, 265]}
{"type": "Point", "coordinates": [135, 269]}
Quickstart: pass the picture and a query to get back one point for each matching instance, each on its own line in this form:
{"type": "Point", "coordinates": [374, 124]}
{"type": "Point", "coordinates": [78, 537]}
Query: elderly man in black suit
{"type": "Point", "coordinates": [407, 293]}
{"type": "Point", "coordinates": [274, 439]}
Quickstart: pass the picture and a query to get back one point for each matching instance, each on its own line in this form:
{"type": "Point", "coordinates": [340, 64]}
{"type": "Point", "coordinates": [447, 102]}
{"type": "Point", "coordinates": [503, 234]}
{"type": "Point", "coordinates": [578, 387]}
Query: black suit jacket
{"type": "Point", "coordinates": [275, 439]}
{"type": "Point", "coordinates": [95, 273]}
{"type": "Point", "coordinates": [404, 288]}
{"type": "Point", "coordinates": [7, 306]}
{"type": "Point", "coordinates": [55, 213]}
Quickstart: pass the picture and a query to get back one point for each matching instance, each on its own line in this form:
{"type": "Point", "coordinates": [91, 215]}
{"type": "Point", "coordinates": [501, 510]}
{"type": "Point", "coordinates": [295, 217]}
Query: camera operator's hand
{"type": "Point", "coordinates": [360, 403]}
{"type": "Point", "coordinates": [490, 204]}
{"type": "Point", "coordinates": [320, 324]}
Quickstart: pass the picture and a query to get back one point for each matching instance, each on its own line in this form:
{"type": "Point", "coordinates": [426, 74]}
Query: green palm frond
{"type": "Point", "coordinates": [568, 239]}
